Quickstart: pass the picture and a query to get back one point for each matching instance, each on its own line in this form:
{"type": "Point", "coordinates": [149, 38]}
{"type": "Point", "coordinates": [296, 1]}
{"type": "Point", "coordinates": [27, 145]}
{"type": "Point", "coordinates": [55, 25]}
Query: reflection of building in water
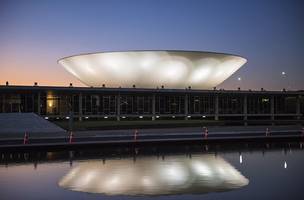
{"type": "Point", "coordinates": [152, 176]}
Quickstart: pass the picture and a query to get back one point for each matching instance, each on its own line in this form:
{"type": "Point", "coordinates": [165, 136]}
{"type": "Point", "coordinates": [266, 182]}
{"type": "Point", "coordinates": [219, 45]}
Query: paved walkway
{"type": "Point", "coordinates": [16, 124]}
{"type": "Point", "coordinates": [44, 133]}
{"type": "Point", "coordinates": [191, 130]}
{"type": "Point", "coordinates": [111, 137]}
{"type": "Point", "coordinates": [46, 130]}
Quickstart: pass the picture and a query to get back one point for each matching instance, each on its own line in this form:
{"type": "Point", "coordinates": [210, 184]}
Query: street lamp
{"type": "Point", "coordinates": [285, 80]}
{"type": "Point", "coordinates": [239, 79]}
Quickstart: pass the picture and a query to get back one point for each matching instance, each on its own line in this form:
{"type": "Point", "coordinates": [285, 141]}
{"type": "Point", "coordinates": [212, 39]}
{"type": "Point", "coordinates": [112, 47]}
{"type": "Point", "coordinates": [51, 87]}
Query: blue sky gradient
{"type": "Point", "coordinates": [35, 34]}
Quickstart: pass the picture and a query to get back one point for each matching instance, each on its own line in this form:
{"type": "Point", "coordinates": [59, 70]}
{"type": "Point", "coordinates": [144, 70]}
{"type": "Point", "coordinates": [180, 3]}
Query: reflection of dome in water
{"type": "Point", "coordinates": [151, 69]}
{"type": "Point", "coordinates": [152, 176]}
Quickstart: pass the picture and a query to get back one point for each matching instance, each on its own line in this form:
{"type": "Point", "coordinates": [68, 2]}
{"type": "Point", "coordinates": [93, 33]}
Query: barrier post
{"type": "Point", "coordinates": [25, 138]}
{"type": "Point", "coordinates": [71, 137]}
{"type": "Point", "coordinates": [206, 133]}
{"type": "Point", "coordinates": [267, 131]}
{"type": "Point", "coordinates": [135, 134]}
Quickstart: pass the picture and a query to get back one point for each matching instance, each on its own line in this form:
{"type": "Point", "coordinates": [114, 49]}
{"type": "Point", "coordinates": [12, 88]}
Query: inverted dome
{"type": "Point", "coordinates": [151, 69]}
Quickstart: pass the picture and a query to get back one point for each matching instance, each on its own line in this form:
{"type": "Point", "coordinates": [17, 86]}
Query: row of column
{"type": "Point", "coordinates": [216, 116]}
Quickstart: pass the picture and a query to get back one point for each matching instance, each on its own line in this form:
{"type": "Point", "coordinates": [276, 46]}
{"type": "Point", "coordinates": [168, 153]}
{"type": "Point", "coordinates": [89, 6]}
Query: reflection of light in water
{"type": "Point", "coordinates": [285, 165]}
{"type": "Point", "coordinates": [149, 176]}
{"type": "Point", "coordinates": [146, 181]}
{"type": "Point", "coordinates": [221, 170]}
{"type": "Point", "coordinates": [241, 158]}
{"type": "Point", "coordinates": [113, 181]}
{"type": "Point", "coordinates": [175, 174]}
{"type": "Point", "coordinates": [201, 169]}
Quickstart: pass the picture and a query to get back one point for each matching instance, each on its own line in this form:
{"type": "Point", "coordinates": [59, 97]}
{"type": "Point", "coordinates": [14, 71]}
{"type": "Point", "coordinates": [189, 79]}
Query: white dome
{"type": "Point", "coordinates": [151, 69]}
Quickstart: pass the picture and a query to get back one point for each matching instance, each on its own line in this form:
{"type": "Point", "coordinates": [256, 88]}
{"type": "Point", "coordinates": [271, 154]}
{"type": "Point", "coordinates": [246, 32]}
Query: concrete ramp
{"type": "Point", "coordinates": [16, 124]}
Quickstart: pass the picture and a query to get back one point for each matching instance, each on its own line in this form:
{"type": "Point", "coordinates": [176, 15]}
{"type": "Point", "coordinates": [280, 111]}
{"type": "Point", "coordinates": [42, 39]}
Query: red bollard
{"type": "Point", "coordinates": [25, 138]}
{"type": "Point", "coordinates": [267, 131]}
{"type": "Point", "coordinates": [135, 134]}
{"type": "Point", "coordinates": [206, 133]}
{"type": "Point", "coordinates": [71, 137]}
{"type": "Point", "coordinates": [136, 151]}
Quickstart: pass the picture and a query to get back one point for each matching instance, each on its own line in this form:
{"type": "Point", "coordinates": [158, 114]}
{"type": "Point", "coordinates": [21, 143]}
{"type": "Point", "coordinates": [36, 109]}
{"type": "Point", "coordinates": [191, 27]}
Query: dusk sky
{"type": "Point", "coordinates": [270, 34]}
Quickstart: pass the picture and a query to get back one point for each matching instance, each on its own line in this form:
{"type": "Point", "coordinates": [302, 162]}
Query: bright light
{"type": "Point", "coordinates": [86, 117]}
{"type": "Point", "coordinates": [123, 117]}
{"type": "Point", "coordinates": [204, 116]}
{"type": "Point", "coordinates": [285, 165]}
{"type": "Point", "coordinates": [264, 100]}
{"type": "Point", "coordinates": [113, 181]}
{"type": "Point", "coordinates": [239, 78]}
{"type": "Point", "coordinates": [189, 116]}
{"type": "Point", "coordinates": [140, 117]}
{"type": "Point", "coordinates": [67, 117]}
{"type": "Point", "coordinates": [88, 177]}
{"type": "Point", "coordinates": [283, 73]}
{"type": "Point", "coordinates": [146, 181]}
{"type": "Point", "coordinates": [106, 117]}
{"type": "Point", "coordinates": [46, 117]}
{"type": "Point", "coordinates": [173, 116]}
{"type": "Point", "coordinates": [201, 168]}
{"type": "Point", "coordinates": [175, 174]}
{"type": "Point", "coordinates": [201, 74]}
{"type": "Point", "coordinates": [241, 158]}
{"type": "Point", "coordinates": [157, 116]}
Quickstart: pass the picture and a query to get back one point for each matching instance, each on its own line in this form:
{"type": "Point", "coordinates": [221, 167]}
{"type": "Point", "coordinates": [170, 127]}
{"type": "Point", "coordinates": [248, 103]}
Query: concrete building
{"type": "Point", "coordinates": [153, 85]}
{"type": "Point", "coordinates": [153, 104]}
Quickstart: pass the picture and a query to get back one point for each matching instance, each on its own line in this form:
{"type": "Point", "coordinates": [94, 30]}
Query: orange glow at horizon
{"type": "Point", "coordinates": [26, 73]}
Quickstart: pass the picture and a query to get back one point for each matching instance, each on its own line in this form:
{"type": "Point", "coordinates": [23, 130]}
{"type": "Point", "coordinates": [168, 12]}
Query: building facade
{"type": "Point", "coordinates": [153, 104]}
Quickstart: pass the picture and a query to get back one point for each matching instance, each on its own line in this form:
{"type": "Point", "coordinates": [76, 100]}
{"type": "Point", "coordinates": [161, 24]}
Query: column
{"type": "Point", "coordinates": [298, 107]}
{"type": "Point", "coordinates": [3, 103]}
{"type": "Point", "coordinates": [118, 107]}
{"type": "Point", "coordinates": [71, 119]}
{"type": "Point", "coordinates": [272, 109]}
{"type": "Point", "coordinates": [80, 107]}
{"type": "Point", "coordinates": [153, 107]}
{"type": "Point", "coordinates": [71, 113]}
{"type": "Point", "coordinates": [186, 107]}
{"type": "Point", "coordinates": [216, 104]}
{"type": "Point", "coordinates": [38, 104]}
{"type": "Point", "coordinates": [245, 110]}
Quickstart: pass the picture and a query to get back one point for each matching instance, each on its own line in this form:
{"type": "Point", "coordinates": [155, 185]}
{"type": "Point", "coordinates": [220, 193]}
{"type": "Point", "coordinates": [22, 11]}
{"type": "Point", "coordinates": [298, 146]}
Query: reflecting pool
{"type": "Point", "coordinates": [267, 171]}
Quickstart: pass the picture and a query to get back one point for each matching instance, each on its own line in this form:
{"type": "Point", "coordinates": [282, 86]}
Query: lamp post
{"type": "Point", "coordinates": [239, 79]}
{"type": "Point", "coordinates": [285, 80]}
{"type": "Point", "coordinates": [71, 113]}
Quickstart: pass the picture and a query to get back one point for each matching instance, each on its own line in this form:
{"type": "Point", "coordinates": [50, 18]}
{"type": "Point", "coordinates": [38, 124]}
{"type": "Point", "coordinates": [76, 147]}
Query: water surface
{"type": "Point", "coordinates": [250, 172]}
